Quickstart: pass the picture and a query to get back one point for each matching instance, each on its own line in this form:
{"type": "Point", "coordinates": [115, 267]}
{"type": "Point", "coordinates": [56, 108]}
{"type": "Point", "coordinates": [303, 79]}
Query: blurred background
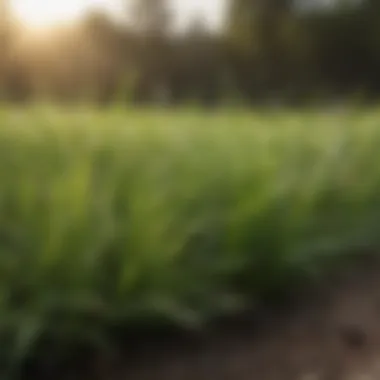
{"type": "Point", "coordinates": [131, 216]}
{"type": "Point", "coordinates": [180, 51]}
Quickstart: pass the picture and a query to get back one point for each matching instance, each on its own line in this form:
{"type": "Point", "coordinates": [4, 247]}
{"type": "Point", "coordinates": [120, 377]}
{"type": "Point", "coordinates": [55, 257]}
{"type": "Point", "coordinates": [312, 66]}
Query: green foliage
{"type": "Point", "coordinates": [109, 218]}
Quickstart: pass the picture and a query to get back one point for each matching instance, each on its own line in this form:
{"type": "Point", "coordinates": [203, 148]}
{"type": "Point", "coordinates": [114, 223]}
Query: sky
{"type": "Point", "coordinates": [44, 13]}
{"type": "Point", "coordinates": [213, 10]}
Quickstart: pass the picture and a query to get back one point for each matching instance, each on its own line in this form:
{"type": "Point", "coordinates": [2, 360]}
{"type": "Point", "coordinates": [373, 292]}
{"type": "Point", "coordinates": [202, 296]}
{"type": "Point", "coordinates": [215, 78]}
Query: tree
{"type": "Point", "coordinates": [5, 36]}
{"type": "Point", "coordinates": [151, 20]}
{"type": "Point", "coordinates": [199, 62]}
{"type": "Point", "coordinates": [255, 34]}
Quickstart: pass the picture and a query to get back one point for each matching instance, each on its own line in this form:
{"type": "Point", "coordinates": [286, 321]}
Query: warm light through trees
{"type": "Point", "coordinates": [269, 49]}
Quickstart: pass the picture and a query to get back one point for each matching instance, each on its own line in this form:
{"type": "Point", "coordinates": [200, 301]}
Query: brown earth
{"type": "Point", "coordinates": [331, 332]}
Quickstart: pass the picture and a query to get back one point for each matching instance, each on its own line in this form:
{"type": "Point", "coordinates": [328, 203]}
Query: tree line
{"type": "Point", "coordinates": [287, 50]}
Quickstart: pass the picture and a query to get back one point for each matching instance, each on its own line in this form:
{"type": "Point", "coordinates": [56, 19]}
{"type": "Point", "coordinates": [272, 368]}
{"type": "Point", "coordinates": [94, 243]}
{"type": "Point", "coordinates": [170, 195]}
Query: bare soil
{"type": "Point", "coordinates": [330, 332]}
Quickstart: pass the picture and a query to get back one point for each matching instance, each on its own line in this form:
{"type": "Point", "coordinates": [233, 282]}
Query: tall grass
{"type": "Point", "coordinates": [112, 217]}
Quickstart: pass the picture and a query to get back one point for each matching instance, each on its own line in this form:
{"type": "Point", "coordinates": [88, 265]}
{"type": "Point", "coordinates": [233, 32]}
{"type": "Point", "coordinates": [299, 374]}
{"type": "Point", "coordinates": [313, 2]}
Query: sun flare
{"type": "Point", "coordinates": [48, 13]}
{"type": "Point", "coordinates": [44, 14]}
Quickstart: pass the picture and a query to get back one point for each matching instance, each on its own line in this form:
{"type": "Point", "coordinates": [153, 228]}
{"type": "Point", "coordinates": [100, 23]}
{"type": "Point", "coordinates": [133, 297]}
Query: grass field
{"type": "Point", "coordinates": [108, 217]}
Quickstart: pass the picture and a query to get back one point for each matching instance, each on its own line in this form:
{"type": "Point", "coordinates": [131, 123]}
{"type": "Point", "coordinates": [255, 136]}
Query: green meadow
{"type": "Point", "coordinates": [121, 216]}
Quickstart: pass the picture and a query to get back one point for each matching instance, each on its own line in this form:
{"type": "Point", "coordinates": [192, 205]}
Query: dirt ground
{"type": "Point", "coordinates": [332, 332]}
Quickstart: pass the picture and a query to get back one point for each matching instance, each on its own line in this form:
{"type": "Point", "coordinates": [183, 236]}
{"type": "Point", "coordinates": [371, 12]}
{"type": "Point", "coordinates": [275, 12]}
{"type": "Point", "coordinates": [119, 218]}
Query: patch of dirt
{"type": "Point", "coordinates": [332, 332]}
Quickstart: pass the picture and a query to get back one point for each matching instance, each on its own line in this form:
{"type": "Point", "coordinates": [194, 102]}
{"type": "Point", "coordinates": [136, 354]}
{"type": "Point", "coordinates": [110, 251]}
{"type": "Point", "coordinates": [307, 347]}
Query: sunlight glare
{"type": "Point", "coordinates": [48, 13]}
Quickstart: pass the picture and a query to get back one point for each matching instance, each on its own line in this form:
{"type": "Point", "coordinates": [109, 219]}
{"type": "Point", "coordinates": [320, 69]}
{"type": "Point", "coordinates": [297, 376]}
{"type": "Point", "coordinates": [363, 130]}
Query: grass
{"type": "Point", "coordinates": [111, 217]}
